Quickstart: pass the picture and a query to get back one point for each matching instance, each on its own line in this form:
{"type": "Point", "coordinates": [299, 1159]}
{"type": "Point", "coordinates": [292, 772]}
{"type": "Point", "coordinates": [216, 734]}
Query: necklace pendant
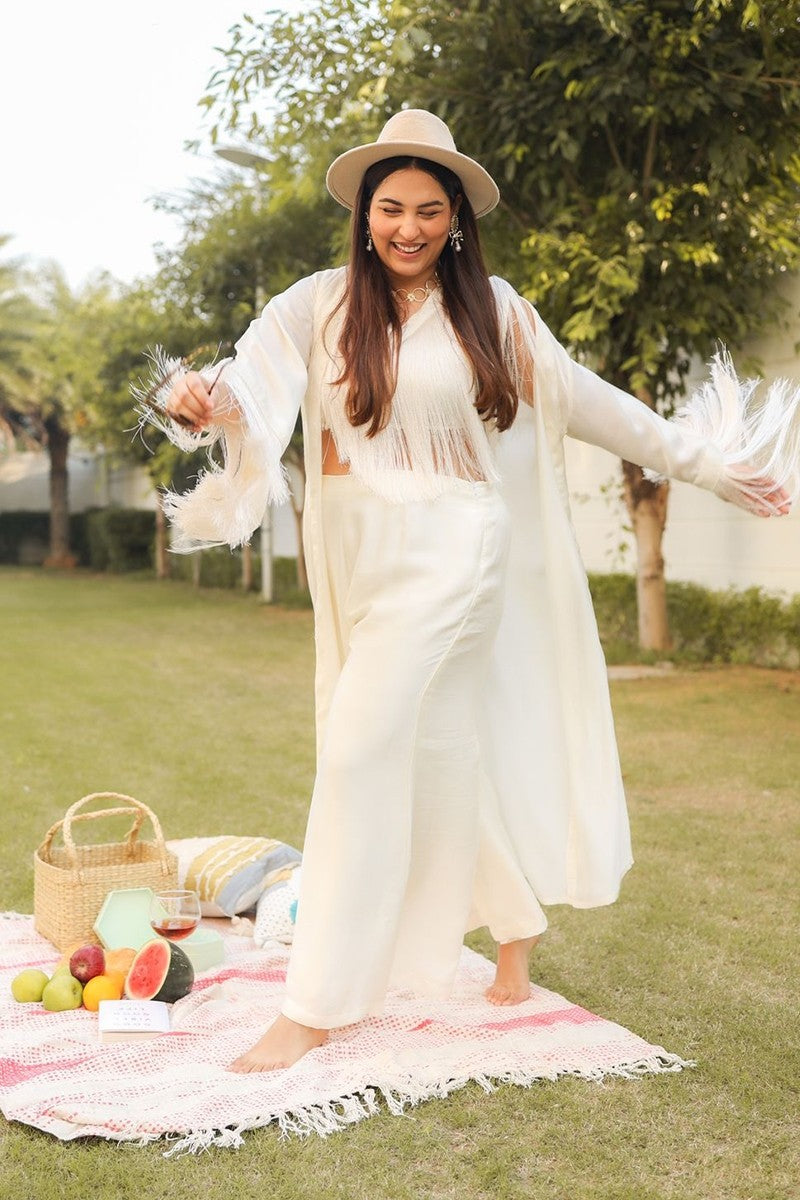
{"type": "Point", "coordinates": [419, 294]}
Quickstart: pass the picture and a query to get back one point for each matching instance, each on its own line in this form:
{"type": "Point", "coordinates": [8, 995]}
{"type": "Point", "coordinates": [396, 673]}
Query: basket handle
{"type": "Point", "coordinates": [139, 810]}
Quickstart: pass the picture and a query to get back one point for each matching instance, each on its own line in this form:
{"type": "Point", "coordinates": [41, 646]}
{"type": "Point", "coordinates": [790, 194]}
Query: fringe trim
{"type": "Point", "coordinates": [333, 1116]}
{"type": "Point", "coordinates": [758, 441]}
{"type": "Point", "coordinates": [229, 499]}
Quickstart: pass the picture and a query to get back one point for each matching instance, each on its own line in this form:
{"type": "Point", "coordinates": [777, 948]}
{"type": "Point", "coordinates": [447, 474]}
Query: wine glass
{"type": "Point", "coordinates": [175, 913]}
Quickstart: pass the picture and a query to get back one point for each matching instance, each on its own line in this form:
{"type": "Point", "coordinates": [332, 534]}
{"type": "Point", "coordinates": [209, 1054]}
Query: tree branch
{"type": "Point", "coordinates": [613, 148]}
{"type": "Point", "coordinates": [649, 158]}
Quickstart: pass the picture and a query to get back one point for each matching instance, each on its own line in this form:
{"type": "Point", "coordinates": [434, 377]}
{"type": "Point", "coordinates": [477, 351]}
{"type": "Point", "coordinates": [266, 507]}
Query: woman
{"type": "Point", "coordinates": [467, 769]}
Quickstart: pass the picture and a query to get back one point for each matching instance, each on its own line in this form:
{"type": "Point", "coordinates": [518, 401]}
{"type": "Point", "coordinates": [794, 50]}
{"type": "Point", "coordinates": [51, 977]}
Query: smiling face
{"type": "Point", "coordinates": [409, 219]}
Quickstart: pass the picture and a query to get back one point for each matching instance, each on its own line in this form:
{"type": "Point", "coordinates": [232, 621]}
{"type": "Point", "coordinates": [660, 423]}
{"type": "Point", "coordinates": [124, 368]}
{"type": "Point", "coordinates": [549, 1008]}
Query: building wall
{"type": "Point", "coordinates": [93, 483]}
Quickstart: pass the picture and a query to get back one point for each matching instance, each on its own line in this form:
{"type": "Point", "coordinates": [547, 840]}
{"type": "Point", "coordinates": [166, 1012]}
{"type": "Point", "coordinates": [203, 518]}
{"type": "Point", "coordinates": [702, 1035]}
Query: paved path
{"type": "Point", "coordinates": [639, 671]}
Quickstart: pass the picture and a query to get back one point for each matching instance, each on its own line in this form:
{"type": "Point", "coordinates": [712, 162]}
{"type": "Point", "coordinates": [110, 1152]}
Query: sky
{"type": "Point", "coordinates": [96, 101]}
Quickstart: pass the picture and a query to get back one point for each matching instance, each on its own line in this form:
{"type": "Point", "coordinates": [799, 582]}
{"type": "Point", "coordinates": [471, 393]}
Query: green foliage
{"type": "Point", "coordinates": [748, 626]}
{"type": "Point", "coordinates": [222, 568]}
{"type": "Point", "coordinates": [243, 242]}
{"type": "Point", "coordinates": [19, 318]}
{"type": "Point", "coordinates": [651, 151]}
{"type": "Point", "coordinates": [120, 539]}
{"type": "Point", "coordinates": [648, 153]}
{"type": "Point", "coordinates": [24, 537]}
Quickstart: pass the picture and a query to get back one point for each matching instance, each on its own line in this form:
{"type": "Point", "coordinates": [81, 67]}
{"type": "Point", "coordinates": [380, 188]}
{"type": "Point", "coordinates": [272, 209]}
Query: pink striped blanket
{"type": "Point", "coordinates": [57, 1077]}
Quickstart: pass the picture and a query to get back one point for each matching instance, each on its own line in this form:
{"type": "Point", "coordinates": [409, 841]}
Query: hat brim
{"type": "Point", "coordinates": [346, 172]}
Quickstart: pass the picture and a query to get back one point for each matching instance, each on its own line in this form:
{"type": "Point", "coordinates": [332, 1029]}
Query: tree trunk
{"type": "Point", "coordinates": [161, 550]}
{"type": "Point", "coordinates": [647, 508]}
{"type": "Point", "coordinates": [247, 567]}
{"type": "Point", "coordinates": [57, 447]}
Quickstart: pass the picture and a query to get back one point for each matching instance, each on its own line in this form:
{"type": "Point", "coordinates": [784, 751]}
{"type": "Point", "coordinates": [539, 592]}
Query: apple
{"type": "Point", "coordinates": [62, 993]}
{"type": "Point", "coordinates": [87, 962]}
{"type": "Point", "coordinates": [28, 985]}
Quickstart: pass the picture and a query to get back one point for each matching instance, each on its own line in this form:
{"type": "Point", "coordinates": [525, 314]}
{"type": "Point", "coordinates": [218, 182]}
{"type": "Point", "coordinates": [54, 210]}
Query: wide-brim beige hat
{"type": "Point", "coordinates": [420, 134]}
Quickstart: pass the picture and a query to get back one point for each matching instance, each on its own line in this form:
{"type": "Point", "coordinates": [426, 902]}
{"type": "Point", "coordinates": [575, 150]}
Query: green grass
{"type": "Point", "coordinates": [200, 704]}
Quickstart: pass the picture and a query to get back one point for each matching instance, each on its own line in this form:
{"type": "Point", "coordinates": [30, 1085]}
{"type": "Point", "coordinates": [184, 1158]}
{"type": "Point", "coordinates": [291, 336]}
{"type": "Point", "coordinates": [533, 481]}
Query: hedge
{"type": "Point", "coordinates": [106, 539]}
{"type": "Point", "coordinates": [749, 626]}
{"type": "Point", "coordinates": [120, 539]}
{"type": "Point", "coordinates": [25, 537]}
{"type": "Point", "coordinates": [222, 568]}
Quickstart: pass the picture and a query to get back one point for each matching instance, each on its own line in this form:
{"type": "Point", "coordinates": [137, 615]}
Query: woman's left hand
{"type": "Point", "coordinates": [760, 495]}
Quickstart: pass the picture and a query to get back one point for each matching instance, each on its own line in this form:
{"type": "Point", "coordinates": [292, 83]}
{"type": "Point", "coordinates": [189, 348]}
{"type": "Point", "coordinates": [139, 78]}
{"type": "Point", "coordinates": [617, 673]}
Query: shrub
{"type": "Point", "coordinates": [25, 537]}
{"type": "Point", "coordinates": [749, 626]}
{"type": "Point", "coordinates": [221, 567]}
{"type": "Point", "coordinates": [120, 539]}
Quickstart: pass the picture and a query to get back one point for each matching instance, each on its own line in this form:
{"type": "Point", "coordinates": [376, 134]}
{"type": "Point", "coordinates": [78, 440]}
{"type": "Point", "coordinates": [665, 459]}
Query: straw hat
{"type": "Point", "coordinates": [420, 134]}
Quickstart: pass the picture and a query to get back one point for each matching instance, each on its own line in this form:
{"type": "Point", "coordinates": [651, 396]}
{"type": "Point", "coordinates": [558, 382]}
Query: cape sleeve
{"type": "Point", "coordinates": [264, 382]}
{"type": "Point", "coordinates": [725, 438]}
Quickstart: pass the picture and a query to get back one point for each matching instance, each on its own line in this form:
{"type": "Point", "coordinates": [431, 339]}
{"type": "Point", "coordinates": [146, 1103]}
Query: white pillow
{"type": "Point", "coordinates": [276, 911]}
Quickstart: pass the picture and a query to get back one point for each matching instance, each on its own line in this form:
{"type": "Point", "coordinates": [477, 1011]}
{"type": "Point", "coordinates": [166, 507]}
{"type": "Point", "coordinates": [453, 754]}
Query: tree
{"type": "Point", "coordinates": [647, 152]}
{"type": "Point", "coordinates": [241, 245]}
{"type": "Point", "coordinates": [142, 316]}
{"type": "Point", "coordinates": [19, 319]}
{"type": "Point", "coordinates": [51, 378]}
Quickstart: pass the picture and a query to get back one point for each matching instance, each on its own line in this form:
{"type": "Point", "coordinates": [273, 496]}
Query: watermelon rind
{"type": "Point", "coordinates": [160, 971]}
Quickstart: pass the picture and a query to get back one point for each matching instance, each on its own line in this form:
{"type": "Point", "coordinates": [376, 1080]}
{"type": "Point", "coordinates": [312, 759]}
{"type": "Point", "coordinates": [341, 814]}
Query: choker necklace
{"type": "Point", "coordinates": [419, 294]}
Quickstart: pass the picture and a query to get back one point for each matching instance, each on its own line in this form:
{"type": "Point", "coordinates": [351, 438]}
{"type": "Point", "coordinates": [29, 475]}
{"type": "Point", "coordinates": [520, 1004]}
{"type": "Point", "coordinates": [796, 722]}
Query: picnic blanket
{"type": "Point", "coordinates": [57, 1077]}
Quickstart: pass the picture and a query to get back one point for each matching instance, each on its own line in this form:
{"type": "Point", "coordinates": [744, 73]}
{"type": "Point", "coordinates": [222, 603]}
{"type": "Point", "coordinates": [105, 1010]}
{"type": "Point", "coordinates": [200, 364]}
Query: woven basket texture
{"type": "Point", "coordinates": [71, 881]}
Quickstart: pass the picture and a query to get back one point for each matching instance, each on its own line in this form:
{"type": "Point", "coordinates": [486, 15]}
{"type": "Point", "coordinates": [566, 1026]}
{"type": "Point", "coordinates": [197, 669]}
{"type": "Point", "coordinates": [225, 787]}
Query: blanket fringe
{"type": "Point", "coordinates": [336, 1115]}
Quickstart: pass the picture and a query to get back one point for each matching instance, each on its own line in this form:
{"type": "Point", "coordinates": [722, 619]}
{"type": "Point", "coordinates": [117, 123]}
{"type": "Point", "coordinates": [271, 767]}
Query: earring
{"type": "Point", "coordinates": [455, 235]}
{"type": "Point", "coordinates": [369, 235]}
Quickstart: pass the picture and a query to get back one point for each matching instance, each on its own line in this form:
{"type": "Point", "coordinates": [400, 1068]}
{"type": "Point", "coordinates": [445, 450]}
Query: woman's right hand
{"type": "Point", "coordinates": [190, 404]}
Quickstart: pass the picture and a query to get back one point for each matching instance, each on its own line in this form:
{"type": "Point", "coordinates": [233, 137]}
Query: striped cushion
{"type": "Point", "coordinates": [230, 873]}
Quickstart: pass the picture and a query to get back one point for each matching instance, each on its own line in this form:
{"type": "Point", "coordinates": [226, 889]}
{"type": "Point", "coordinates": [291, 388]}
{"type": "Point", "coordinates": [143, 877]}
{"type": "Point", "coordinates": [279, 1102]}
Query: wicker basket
{"type": "Point", "coordinates": [70, 882]}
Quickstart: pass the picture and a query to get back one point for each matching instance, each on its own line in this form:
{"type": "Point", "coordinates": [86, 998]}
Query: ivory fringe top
{"type": "Point", "coordinates": [434, 429]}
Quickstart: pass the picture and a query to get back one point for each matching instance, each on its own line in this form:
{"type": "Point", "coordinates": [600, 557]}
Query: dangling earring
{"type": "Point", "coordinates": [369, 235]}
{"type": "Point", "coordinates": [455, 235]}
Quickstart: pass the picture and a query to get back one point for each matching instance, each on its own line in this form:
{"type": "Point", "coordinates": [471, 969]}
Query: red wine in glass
{"type": "Point", "coordinates": [174, 928]}
{"type": "Point", "coordinates": [175, 913]}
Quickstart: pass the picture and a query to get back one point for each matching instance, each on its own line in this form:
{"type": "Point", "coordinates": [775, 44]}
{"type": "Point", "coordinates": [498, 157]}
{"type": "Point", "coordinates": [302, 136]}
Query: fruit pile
{"type": "Point", "coordinates": [84, 976]}
{"type": "Point", "coordinates": [88, 974]}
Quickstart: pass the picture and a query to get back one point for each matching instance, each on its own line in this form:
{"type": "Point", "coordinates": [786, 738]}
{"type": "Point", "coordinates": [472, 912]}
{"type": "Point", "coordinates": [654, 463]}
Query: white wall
{"type": "Point", "coordinates": [24, 485]}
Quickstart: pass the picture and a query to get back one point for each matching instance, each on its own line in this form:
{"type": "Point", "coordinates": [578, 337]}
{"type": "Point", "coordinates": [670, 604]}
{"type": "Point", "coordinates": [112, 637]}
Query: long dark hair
{"type": "Point", "coordinates": [371, 331]}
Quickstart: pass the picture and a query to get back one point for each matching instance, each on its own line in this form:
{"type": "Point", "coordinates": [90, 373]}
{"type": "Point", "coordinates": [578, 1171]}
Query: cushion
{"type": "Point", "coordinates": [277, 908]}
{"type": "Point", "coordinates": [229, 873]}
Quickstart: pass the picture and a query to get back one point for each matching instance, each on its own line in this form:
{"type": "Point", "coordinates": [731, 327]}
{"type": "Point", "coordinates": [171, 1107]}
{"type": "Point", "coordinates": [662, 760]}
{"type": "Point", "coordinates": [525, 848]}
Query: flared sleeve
{"type": "Point", "coordinates": [724, 439]}
{"type": "Point", "coordinates": [728, 437]}
{"type": "Point", "coordinates": [257, 394]}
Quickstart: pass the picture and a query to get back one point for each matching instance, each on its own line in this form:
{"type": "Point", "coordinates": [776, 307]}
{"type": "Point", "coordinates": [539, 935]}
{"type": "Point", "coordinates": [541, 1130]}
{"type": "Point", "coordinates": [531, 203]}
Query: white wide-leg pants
{"type": "Point", "coordinates": [404, 849]}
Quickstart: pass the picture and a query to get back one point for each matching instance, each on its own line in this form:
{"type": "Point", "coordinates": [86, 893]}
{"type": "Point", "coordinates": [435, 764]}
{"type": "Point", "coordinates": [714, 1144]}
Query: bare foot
{"type": "Point", "coordinates": [281, 1046]}
{"type": "Point", "coordinates": [512, 982]}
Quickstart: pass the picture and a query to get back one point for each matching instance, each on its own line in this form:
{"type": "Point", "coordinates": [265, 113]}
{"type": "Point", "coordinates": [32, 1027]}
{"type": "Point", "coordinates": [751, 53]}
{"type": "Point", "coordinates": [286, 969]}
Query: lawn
{"type": "Point", "coordinates": [199, 703]}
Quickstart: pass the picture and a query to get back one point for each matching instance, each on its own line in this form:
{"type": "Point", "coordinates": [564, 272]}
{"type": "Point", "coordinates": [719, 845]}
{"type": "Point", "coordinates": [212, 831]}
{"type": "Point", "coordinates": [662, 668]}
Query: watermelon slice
{"type": "Point", "coordinates": [160, 971]}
